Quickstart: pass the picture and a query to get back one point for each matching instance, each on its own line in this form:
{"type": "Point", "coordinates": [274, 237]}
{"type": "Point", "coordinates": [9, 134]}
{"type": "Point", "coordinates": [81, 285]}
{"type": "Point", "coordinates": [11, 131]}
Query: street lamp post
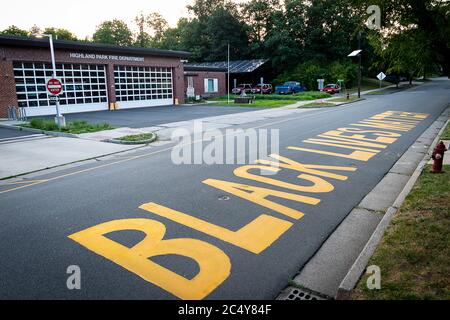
{"type": "Point", "coordinates": [358, 53]}
{"type": "Point", "coordinates": [59, 117]}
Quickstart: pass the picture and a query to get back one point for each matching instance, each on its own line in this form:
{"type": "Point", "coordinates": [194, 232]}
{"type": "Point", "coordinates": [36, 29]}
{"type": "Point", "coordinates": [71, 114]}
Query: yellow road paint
{"type": "Point", "coordinates": [373, 132]}
{"type": "Point", "coordinates": [22, 182]}
{"type": "Point", "coordinates": [356, 155]}
{"type": "Point", "coordinates": [312, 169]}
{"type": "Point", "coordinates": [214, 264]}
{"type": "Point", "coordinates": [341, 134]}
{"type": "Point", "coordinates": [349, 142]}
{"type": "Point", "coordinates": [258, 195]}
{"type": "Point", "coordinates": [255, 237]}
{"type": "Point", "coordinates": [319, 185]}
{"type": "Point", "coordinates": [339, 145]}
{"type": "Point", "coordinates": [382, 125]}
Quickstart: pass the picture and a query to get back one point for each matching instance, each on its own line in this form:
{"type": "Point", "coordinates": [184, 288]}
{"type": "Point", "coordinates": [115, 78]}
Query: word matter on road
{"type": "Point", "coordinates": [360, 141]}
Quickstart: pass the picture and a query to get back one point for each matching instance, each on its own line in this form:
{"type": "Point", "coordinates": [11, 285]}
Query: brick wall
{"type": "Point", "coordinates": [9, 54]}
{"type": "Point", "coordinates": [199, 82]}
{"type": "Point", "coordinates": [8, 95]}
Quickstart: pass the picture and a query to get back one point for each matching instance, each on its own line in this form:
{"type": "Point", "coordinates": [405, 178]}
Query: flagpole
{"type": "Point", "coordinates": [228, 86]}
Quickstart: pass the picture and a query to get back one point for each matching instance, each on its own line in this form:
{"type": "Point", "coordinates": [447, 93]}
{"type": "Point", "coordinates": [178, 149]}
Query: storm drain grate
{"type": "Point", "coordinates": [299, 294]}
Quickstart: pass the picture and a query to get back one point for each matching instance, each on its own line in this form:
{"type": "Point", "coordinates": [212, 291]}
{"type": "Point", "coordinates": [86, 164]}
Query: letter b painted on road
{"type": "Point", "coordinates": [214, 264]}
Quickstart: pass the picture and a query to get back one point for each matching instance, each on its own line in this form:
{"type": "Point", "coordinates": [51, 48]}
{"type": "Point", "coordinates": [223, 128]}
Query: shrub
{"type": "Point", "coordinates": [308, 72]}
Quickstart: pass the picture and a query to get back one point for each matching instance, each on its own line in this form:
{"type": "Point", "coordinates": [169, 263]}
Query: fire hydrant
{"type": "Point", "coordinates": [438, 157]}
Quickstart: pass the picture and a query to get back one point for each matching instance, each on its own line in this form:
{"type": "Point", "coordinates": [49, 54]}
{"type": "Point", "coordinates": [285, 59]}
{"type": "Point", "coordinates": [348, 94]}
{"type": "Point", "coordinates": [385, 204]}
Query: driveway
{"type": "Point", "coordinates": [153, 116]}
{"type": "Point", "coordinates": [6, 133]}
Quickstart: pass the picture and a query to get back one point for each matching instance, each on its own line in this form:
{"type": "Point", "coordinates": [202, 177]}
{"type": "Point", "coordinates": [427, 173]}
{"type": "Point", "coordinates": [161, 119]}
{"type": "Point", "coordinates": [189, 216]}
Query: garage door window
{"type": "Point", "coordinates": [82, 84]}
{"type": "Point", "coordinates": [143, 83]}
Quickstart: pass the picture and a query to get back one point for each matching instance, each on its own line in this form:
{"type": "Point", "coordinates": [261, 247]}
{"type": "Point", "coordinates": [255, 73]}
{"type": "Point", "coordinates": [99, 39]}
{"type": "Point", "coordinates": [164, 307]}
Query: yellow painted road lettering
{"type": "Point", "coordinates": [318, 185]}
{"type": "Point", "coordinates": [355, 155]}
{"type": "Point", "coordinates": [377, 133]}
{"type": "Point", "coordinates": [339, 133]}
{"type": "Point", "coordinates": [255, 237]}
{"type": "Point", "coordinates": [258, 195]}
{"type": "Point", "coordinates": [350, 142]}
{"type": "Point", "coordinates": [378, 124]}
{"type": "Point", "coordinates": [339, 145]}
{"type": "Point", "coordinates": [213, 263]}
{"type": "Point", "coordinates": [312, 169]}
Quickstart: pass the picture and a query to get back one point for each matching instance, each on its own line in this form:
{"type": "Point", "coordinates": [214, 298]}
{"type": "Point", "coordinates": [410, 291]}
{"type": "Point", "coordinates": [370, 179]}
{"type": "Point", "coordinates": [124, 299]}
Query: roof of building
{"type": "Point", "coordinates": [238, 66]}
{"type": "Point", "coordinates": [189, 67]}
{"type": "Point", "coordinates": [88, 46]}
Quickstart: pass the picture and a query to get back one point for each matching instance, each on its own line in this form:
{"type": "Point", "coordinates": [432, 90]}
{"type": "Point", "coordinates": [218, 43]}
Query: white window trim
{"type": "Point", "coordinates": [215, 85]}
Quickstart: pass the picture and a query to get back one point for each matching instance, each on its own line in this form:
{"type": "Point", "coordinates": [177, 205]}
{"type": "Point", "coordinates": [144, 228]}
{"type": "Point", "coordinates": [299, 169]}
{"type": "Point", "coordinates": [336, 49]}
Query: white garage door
{"type": "Point", "coordinates": [84, 87]}
{"type": "Point", "coordinates": [143, 86]}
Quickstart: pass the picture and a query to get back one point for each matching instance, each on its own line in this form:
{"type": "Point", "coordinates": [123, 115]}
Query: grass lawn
{"type": "Point", "coordinates": [344, 99]}
{"type": "Point", "coordinates": [257, 104]}
{"type": "Point", "coordinates": [446, 134]}
{"type": "Point", "coordinates": [137, 137]}
{"type": "Point", "coordinates": [414, 255]}
{"type": "Point", "coordinates": [369, 84]}
{"type": "Point", "coordinates": [302, 96]}
{"type": "Point", "coordinates": [74, 127]}
{"type": "Point", "coordinates": [318, 105]}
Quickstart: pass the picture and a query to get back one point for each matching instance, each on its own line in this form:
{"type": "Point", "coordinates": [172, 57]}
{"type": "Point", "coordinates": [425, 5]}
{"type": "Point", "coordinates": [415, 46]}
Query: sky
{"type": "Point", "coordinates": [82, 16]}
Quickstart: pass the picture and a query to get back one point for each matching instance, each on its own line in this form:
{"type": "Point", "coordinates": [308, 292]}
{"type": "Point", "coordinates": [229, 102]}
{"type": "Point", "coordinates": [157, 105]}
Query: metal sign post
{"type": "Point", "coordinates": [59, 118]}
{"type": "Point", "coordinates": [381, 77]}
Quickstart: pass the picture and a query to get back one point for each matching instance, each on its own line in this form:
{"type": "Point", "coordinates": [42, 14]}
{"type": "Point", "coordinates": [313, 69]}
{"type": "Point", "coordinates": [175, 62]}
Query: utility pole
{"type": "Point", "coordinates": [360, 66]}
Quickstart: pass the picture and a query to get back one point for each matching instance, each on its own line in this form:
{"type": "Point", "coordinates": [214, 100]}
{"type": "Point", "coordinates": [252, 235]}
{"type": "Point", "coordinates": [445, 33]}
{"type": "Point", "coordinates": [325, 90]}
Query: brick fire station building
{"type": "Point", "coordinates": [94, 76]}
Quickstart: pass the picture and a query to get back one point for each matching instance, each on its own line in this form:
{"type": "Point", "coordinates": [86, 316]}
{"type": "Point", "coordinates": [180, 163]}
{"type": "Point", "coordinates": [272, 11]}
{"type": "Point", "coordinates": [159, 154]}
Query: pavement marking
{"type": "Point", "coordinates": [214, 264]}
{"type": "Point", "coordinates": [168, 149]}
{"type": "Point", "coordinates": [389, 120]}
{"type": "Point", "coordinates": [256, 236]}
{"type": "Point", "coordinates": [21, 182]}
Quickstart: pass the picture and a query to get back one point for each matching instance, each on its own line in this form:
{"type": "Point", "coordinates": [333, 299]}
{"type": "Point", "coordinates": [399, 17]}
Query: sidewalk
{"type": "Point", "coordinates": [30, 155]}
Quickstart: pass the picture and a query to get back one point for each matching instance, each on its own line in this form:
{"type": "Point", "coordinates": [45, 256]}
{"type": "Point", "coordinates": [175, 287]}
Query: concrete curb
{"type": "Point", "coordinates": [358, 267]}
{"type": "Point", "coordinates": [48, 133]}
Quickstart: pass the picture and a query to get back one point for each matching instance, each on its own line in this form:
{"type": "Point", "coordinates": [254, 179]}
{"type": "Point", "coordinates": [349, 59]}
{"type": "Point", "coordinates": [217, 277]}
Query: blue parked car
{"type": "Point", "coordinates": [290, 87]}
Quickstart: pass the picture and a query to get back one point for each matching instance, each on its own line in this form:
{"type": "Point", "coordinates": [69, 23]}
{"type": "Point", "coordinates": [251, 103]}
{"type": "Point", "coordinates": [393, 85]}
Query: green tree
{"type": "Point", "coordinates": [35, 30]}
{"type": "Point", "coordinates": [222, 28]}
{"type": "Point", "coordinates": [60, 34]}
{"type": "Point", "coordinates": [143, 38]}
{"type": "Point", "coordinates": [113, 32]}
{"type": "Point", "coordinates": [259, 17]}
{"type": "Point", "coordinates": [428, 18]}
{"type": "Point", "coordinates": [15, 31]}
{"type": "Point", "coordinates": [331, 29]}
{"type": "Point", "coordinates": [158, 26]}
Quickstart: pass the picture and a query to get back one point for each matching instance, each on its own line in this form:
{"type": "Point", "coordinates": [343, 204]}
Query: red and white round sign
{"type": "Point", "coordinates": [54, 86]}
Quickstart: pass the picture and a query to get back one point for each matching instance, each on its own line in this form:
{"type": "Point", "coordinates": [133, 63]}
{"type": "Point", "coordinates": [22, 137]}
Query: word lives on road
{"type": "Point", "coordinates": [359, 141]}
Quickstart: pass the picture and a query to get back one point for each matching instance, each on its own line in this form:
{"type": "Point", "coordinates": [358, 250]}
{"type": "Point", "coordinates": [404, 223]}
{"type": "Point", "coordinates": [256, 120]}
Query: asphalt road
{"type": "Point", "coordinates": [149, 117]}
{"type": "Point", "coordinates": [35, 221]}
{"type": "Point", "coordinates": [6, 133]}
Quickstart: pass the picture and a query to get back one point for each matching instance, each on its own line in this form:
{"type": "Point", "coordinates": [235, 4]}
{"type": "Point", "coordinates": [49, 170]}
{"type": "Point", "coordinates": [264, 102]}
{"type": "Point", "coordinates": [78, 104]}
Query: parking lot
{"type": "Point", "coordinates": [153, 116]}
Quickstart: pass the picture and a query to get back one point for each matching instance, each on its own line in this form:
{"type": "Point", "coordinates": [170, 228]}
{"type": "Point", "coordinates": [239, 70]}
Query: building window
{"type": "Point", "coordinates": [32, 77]}
{"type": "Point", "coordinates": [190, 82]}
{"type": "Point", "coordinates": [211, 85]}
{"type": "Point", "coordinates": [143, 83]}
